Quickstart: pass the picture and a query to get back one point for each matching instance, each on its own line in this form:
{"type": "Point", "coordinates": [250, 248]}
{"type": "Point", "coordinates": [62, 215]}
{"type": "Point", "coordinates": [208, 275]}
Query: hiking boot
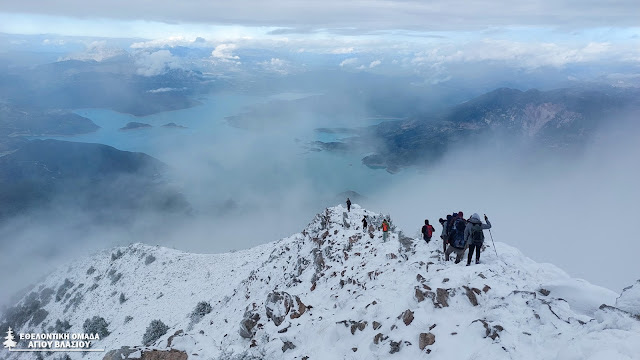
{"type": "Point", "coordinates": [477, 261]}
{"type": "Point", "coordinates": [468, 264]}
{"type": "Point", "coordinates": [457, 261]}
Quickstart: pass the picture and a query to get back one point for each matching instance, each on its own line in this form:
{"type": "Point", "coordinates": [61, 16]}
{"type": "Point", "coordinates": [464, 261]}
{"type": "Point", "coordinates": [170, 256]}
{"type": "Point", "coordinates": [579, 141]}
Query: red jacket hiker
{"type": "Point", "coordinates": [427, 231]}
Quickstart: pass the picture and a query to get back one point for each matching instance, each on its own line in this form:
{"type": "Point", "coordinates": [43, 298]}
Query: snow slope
{"type": "Point", "coordinates": [334, 291]}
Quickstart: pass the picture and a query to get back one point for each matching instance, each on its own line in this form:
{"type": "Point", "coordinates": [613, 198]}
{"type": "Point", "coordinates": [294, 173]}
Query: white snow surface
{"type": "Point", "coordinates": [348, 281]}
{"type": "Point", "coordinates": [629, 300]}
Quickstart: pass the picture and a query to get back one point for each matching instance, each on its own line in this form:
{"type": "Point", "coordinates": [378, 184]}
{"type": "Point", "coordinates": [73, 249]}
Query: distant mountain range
{"type": "Point", "coordinates": [40, 100]}
{"type": "Point", "coordinates": [555, 119]}
{"type": "Point", "coordinates": [19, 121]}
{"type": "Point", "coordinates": [112, 84]}
{"type": "Point", "coordinates": [92, 177]}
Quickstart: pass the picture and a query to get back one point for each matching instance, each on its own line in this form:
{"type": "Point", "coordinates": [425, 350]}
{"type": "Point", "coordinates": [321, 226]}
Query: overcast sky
{"type": "Point", "coordinates": [338, 16]}
{"type": "Point", "coordinates": [361, 14]}
{"type": "Point", "coordinates": [420, 35]}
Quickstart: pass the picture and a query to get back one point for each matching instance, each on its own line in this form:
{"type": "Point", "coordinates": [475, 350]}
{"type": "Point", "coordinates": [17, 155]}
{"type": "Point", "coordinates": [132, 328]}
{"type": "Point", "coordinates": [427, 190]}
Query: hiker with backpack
{"type": "Point", "coordinates": [427, 231]}
{"type": "Point", "coordinates": [348, 205]}
{"type": "Point", "coordinates": [457, 242]}
{"type": "Point", "coordinates": [448, 230]}
{"type": "Point", "coordinates": [364, 223]}
{"type": "Point", "coordinates": [474, 236]}
{"type": "Point", "coordinates": [385, 230]}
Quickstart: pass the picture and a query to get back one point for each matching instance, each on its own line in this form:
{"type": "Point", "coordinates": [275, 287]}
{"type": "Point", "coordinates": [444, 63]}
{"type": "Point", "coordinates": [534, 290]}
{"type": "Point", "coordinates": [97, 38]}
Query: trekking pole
{"type": "Point", "coordinates": [494, 244]}
{"type": "Point", "coordinates": [490, 234]}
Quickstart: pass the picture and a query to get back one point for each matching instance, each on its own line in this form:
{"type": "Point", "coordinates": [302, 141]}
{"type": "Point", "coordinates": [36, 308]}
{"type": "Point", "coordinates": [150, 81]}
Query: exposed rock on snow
{"type": "Point", "coordinates": [249, 321]}
{"type": "Point", "coordinates": [407, 317]}
{"type": "Point", "coordinates": [127, 353]}
{"type": "Point", "coordinates": [426, 339]}
{"type": "Point", "coordinates": [288, 345]}
{"type": "Point", "coordinates": [277, 306]}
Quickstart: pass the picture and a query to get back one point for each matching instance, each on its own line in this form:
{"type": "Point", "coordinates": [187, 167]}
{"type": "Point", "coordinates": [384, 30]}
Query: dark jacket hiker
{"type": "Point", "coordinates": [456, 239]}
{"type": "Point", "coordinates": [474, 237]}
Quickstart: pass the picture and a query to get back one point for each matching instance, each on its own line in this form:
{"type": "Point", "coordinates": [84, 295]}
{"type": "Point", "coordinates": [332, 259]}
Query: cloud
{"type": "Point", "coordinates": [165, 89]}
{"type": "Point", "coordinates": [537, 202]}
{"type": "Point", "coordinates": [156, 63]}
{"type": "Point", "coordinates": [341, 15]}
{"type": "Point", "coordinates": [524, 54]}
{"type": "Point", "coordinates": [54, 42]}
{"type": "Point", "coordinates": [342, 50]}
{"type": "Point", "coordinates": [97, 51]}
{"type": "Point", "coordinates": [276, 65]}
{"type": "Point", "coordinates": [170, 41]}
{"type": "Point", "coordinates": [225, 52]}
{"type": "Point", "coordinates": [349, 61]}
{"type": "Point", "coordinates": [374, 64]}
{"type": "Point", "coordinates": [289, 31]}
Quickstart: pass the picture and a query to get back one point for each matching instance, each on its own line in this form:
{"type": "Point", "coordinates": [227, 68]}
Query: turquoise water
{"type": "Point", "coordinates": [211, 154]}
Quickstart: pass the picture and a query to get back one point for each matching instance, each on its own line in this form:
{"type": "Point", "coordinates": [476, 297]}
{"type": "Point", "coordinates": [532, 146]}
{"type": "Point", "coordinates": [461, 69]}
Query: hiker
{"type": "Point", "coordinates": [385, 230]}
{"type": "Point", "coordinates": [348, 205]}
{"type": "Point", "coordinates": [450, 220]}
{"type": "Point", "coordinates": [444, 234]}
{"type": "Point", "coordinates": [427, 231]}
{"type": "Point", "coordinates": [364, 223]}
{"type": "Point", "coordinates": [457, 242]}
{"type": "Point", "coordinates": [474, 236]}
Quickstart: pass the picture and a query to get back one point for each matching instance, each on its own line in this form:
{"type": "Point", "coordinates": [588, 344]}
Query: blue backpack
{"type": "Point", "coordinates": [457, 237]}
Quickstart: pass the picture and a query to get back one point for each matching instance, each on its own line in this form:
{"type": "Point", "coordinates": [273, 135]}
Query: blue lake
{"type": "Point", "coordinates": [209, 153]}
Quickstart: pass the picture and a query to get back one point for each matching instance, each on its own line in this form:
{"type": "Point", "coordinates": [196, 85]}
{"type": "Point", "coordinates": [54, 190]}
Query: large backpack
{"type": "Point", "coordinates": [450, 226]}
{"type": "Point", "coordinates": [477, 236]}
{"type": "Point", "coordinates": [457, 237]}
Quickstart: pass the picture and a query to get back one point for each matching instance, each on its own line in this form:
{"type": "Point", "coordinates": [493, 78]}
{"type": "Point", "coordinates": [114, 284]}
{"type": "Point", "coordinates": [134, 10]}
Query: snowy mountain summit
{"type": "Point", "coordinates": [332, 291]}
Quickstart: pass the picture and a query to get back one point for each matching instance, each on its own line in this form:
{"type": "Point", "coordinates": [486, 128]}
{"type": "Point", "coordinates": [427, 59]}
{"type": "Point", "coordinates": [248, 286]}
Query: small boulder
{"type": "Point", "coordinates": [426, 339]}
{"type": "Point", "coordinates": [442, 297]}
{"type": "Point", "coordinates": [277, 306]}
{"type": "Point", "coordinates": [247, 324]}
{"type": "Point", "coordinates": [395, 346]}
{"type": "Point", "coordinates": [379, 338]}
{"type": "Point", "coordinates": [360, 325]}
{"type": "Point", "coordinates": [170, 340]}
{"type": "Point", "coordinates": [172, 354]}
{"type": "Point", "coordinates": [471, 295]}
{"type": "Point", "coordinates": [407, 317]}
{"type": "Point", "coordinates": [288, 345]}
{"type": "Point", "coordinates": [301, 308]}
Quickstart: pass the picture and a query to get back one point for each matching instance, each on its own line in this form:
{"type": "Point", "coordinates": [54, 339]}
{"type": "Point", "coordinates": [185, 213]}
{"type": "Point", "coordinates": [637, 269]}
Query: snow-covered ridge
{"type": "Point", "coordinates": [332, 291]}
